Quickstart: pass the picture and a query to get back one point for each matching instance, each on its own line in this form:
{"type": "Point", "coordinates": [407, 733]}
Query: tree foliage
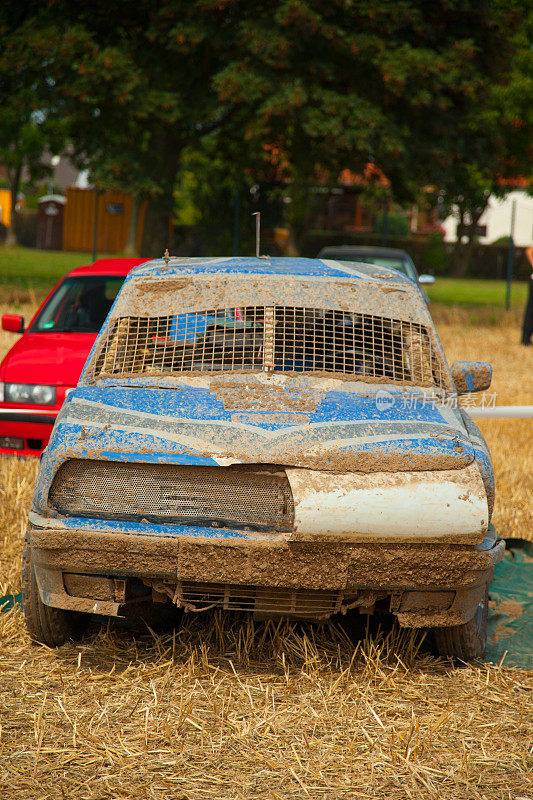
{"type": "Point", "coordinates": [495, 145]}
{"type": "Point", "coordinates": [29, 122]}
{"type": "Point", "coordinates": [324, 84]}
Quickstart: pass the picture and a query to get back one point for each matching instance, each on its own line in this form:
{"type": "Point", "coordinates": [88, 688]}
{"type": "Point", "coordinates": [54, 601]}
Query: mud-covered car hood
{"type": "Point", "coordinates": [316, 423]}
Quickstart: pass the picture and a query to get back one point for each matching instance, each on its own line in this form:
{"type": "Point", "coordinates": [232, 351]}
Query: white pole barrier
{"type": "Point", "coordinates": [502, 412]}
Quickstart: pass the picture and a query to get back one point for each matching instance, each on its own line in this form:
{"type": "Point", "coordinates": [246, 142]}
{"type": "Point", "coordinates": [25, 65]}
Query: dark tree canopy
{"type": "Point", "coordinates": [327, 83]}
{"type": "Point", "coordinates": [494, 148]}
{"type": "Point", "coordinates": [29, 122]}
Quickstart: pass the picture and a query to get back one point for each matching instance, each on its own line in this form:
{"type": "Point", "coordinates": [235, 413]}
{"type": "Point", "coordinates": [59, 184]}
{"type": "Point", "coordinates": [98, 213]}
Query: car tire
{"type": "Point", "coordinates": [47, 625]}
{"type": "Point", "coordinates": [466, 641]}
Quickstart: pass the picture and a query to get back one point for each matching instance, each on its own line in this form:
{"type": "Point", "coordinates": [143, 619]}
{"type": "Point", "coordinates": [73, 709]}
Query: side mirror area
{"type": "Point", "coordinates": [426, 280]}
{"type": "Point", "coordinates": [13, 323]}
{"type": "Point", "coordinates": [471, 376]}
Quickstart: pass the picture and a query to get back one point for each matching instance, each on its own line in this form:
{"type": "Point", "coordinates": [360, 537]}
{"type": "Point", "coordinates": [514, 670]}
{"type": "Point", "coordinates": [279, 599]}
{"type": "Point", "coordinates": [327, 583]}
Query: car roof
{"type": "Point", "coordinates": [169, 286]}
{"type": "Point", "coordinates": [312, 267]}
{"type": "Point", "coordinates": [107, 266]}
{"type": "Point", "coordinates": [363, 250]}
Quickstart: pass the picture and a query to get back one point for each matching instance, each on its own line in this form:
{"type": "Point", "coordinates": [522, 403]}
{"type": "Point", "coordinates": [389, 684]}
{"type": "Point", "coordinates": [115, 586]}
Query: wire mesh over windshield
{"type": "Point", "coordinates": [270, 339]}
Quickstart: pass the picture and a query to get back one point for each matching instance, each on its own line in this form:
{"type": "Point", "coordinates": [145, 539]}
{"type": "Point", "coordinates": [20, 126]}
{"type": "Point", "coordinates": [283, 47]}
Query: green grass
{"type": "Point", "coordinates": [472, 292]}
{"type": "Point", "coordinates": [37, 269]}
{"type": "Point", "coordinates": [40, 269]}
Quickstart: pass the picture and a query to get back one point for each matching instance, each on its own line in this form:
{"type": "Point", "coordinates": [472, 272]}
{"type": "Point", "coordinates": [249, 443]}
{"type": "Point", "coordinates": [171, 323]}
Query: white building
{"type": "Point", "coordinates": [495, 221]}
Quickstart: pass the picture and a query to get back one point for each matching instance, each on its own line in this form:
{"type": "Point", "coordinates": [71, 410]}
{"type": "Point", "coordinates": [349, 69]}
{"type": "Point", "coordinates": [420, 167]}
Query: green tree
{"type": "Point", "coordinates": [494, 146]}
{"type": "Point", "coordinates": [338, 84]}
{"type": "Point", "coordinates": [28, 120]}
{"type": "Point", "coordinates": [136, 80]}
{"type": "Point", "coordinates": [326, 84]}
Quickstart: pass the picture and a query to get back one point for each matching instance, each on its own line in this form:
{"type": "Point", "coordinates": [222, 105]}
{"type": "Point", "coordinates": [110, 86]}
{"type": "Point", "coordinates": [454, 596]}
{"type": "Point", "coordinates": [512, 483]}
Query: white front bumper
{"type": "Point", "coordinates": [445, 505]}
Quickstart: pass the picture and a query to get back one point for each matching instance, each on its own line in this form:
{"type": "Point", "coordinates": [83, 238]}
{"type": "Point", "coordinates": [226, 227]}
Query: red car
{"type": "Point", "coordinates": [46, 362]}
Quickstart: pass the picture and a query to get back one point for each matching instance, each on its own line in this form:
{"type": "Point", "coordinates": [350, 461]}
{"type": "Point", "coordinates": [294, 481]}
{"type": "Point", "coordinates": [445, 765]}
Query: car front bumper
{"type": "Point", "coordinates": [28, 429]}
{"type": "Point", "coordinates": [423, 584]}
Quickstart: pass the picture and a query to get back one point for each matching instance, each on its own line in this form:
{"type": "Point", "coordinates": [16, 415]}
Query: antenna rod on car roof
{"type": "Point", "coordinates": [257, 215]}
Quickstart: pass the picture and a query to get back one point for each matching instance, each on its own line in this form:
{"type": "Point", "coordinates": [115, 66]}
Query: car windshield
{"type": "Point", "coordinates": [399, 264]}
{"type": "Point", "coordinates": [79, 305]}
{"type": "Point", "coordinates": [286, 339]}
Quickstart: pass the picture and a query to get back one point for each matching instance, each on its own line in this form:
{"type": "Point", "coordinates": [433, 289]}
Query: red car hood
{"type": "Point", "coordinates": [48, 358]}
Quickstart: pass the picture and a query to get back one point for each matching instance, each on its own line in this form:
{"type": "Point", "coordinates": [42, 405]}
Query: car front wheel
{"type": "Point", "coordinates": [47, 625]}
{"type": "Point", "coordinates": [466, 641]}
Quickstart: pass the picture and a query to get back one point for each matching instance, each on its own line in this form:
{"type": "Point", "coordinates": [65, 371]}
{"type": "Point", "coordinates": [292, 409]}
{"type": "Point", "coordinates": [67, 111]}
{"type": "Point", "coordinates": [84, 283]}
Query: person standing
{"type": "Point", "coordinates": [527, 328]}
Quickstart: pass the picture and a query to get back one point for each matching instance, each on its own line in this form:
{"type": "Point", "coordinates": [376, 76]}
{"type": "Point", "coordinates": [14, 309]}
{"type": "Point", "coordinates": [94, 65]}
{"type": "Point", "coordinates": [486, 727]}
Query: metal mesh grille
{"type": "Point", "coordinates": [240, 496]}
{"type": "Point", "coordinates": [289, 602]}
{"type": "Point", "coordinates": [271, 339]}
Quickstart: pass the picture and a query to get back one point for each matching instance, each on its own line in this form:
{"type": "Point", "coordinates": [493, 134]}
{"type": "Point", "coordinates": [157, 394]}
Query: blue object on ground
{"type": "Point", "coordinates": [8, 601]}
{"type": "Point", "coordinates": [511, 607]}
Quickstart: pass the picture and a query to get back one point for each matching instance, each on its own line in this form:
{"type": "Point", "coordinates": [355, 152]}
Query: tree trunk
{"type": "Point", "coordinates": [293, 249]}
{"type": "Point", "coordinates": [11, 236]}
{"type": "Point", "coordinates": [160, 211]}
{"type": "Point", "coordinates": [462, 253]}
{"type": "Point", "coordinates": [300, 222]}
{"type": "Point", "coordinates": [131, 244]}
{"type": "Point", "coordinates": [156, 234]}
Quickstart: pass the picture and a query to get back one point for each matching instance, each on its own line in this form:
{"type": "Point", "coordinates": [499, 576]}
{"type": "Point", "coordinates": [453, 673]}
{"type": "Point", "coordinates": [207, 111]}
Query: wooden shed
{"type": "Point", "coordinates": [114, 215]}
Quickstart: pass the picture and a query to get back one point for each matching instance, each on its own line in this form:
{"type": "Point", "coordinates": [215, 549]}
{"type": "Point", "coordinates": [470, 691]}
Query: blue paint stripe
{"type": "Point", "coordinates": [243, 265]}
{"type": "Point", "coordinates": [151, 529]}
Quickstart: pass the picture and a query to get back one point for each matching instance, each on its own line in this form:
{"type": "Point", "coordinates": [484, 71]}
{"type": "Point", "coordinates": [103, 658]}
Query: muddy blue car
{"type": "Point", "coordinates": [278, 436]}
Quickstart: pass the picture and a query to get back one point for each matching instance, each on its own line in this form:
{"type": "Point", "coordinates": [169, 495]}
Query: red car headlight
{"type": "Point", "coordinates": [29, 393]}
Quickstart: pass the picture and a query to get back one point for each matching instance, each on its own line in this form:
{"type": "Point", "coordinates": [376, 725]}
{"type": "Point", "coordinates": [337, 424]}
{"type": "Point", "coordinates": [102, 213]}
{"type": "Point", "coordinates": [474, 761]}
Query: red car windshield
{"type": "Point", "coordinates": [79, 305]}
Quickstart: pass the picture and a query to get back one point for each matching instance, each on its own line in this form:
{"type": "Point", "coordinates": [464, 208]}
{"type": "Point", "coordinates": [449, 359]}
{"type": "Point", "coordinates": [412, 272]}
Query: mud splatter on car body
{"type": "Point", "coordinates": [275, 435]}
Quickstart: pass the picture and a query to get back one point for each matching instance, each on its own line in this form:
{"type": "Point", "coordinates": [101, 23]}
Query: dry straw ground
{"type": "Point", "coordinates": [225, 709]}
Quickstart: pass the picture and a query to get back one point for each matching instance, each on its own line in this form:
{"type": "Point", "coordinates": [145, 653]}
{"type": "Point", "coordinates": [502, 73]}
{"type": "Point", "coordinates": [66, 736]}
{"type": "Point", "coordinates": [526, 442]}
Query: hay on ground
{"type": "Point", "coordinates": [225, 708]}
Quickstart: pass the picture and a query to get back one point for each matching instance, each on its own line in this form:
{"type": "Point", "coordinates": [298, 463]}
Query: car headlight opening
{"type": "Point", "coordinates": [38, 394]}
{"type": "Point", "coordinates": [244, 496]}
